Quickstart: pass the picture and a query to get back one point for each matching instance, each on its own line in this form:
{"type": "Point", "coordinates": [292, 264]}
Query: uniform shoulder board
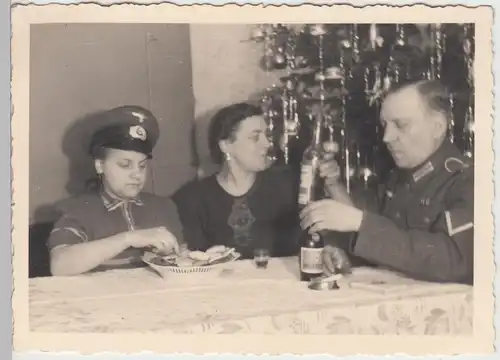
{"type": "Point", "coordinates": [454, 164]}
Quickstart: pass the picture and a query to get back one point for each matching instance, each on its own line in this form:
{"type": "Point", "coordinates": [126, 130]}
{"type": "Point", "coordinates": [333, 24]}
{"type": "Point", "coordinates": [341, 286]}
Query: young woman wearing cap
{"type": "Point", "coordinates": [248, 204]}
{"type": "Point", "coordinates": [111, 224]}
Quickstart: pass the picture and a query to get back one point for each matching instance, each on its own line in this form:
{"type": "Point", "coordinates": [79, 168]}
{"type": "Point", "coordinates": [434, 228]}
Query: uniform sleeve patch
{"type": "Point", "coordinates": [458, 221]}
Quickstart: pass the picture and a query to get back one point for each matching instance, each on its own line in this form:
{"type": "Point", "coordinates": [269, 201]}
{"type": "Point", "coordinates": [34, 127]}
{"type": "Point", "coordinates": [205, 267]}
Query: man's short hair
{"type": "Point", "coordinates": [434, 93]}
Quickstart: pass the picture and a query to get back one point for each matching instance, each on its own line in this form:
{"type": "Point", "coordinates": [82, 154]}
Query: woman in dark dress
{"type": "Point", "coordinates": [109, 226]}
{"type": "Point", "coordinates": [249, 204]}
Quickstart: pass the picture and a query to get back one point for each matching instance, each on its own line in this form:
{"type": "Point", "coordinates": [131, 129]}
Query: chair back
{"type": "Point", "coordinates": [39, 260]}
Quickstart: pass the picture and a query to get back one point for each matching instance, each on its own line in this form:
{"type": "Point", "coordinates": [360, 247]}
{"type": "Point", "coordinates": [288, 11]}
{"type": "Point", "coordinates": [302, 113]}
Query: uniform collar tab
{"type": "Point", "coordinates": [435, 162]}
{"type": "Point", "coordinates": [423, 171]}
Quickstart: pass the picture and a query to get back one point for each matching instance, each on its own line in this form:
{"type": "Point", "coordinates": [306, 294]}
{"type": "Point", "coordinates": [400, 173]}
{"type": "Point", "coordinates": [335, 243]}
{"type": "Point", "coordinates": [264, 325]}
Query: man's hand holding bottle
{"type": "Point", "coordinates": [337, 213]}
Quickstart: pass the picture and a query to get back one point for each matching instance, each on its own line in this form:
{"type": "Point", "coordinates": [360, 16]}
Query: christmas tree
{"type": "Point", "coordinates": [344, 71]}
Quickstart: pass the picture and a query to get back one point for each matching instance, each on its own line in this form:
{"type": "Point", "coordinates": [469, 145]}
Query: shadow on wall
{"type": "Point", "coordinates": [74, 145]}
{"type": "Point", "coordinates": [205, 165]}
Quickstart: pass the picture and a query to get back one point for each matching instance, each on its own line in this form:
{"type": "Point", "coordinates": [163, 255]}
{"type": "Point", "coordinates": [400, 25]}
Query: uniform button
{"type": "Point", "coordinates": [398, 215]}
{"type": "Point", "coordinates": [427, 220]}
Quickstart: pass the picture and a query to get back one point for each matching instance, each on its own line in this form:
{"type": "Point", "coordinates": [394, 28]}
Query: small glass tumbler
{"type": "Point", "coordinates": [261, 258]}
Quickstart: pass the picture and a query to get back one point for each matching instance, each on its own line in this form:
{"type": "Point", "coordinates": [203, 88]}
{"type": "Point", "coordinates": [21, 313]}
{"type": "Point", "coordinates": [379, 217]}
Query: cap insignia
{"type": "Point", "coordinates": [138, 132]}
{"type": "Point", "coordinates": [423, 171]}
{"type": "Point", "coordinates": [139, 116]}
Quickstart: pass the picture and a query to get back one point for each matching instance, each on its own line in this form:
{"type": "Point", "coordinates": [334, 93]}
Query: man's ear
{"type": "Point", "coordinates": [439, 125]}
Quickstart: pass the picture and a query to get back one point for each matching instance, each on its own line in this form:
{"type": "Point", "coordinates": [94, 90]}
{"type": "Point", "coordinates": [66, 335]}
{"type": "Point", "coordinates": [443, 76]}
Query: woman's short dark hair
{"type": "Point", "coordinates": [224, 123]}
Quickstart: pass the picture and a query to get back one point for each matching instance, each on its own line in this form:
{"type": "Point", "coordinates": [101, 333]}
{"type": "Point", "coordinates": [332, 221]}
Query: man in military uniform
{"type": "Point", "coordinates": [424, 220]}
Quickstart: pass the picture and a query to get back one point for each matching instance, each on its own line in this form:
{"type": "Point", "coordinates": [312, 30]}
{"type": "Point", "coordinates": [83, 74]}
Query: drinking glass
{"type": "Point", "coordinates": [261, 258]}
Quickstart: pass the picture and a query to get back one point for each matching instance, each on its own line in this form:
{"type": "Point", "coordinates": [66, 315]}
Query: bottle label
{"type": "Point", "coordinates": [306, 182]}
{"type": "Point", "coordinates": [311, 261]}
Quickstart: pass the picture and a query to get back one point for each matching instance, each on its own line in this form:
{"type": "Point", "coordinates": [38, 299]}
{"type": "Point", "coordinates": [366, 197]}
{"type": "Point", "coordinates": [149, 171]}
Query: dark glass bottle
{"type": "Point", "coordinates": [311, 245]}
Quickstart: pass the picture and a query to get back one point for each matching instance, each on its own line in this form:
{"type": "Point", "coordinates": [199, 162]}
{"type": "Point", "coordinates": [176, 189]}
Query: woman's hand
{"type": "Point", "coordinates": [160, 239]}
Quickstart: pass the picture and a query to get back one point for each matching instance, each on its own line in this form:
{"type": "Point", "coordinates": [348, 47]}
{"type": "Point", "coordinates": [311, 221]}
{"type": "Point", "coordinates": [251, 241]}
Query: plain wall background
{"type": "Point", "coordinates": [77, 69]}
{"type": "Point", "coordinates": [183, 73]}
{"type": "Point", "coordinates": [226, 69]}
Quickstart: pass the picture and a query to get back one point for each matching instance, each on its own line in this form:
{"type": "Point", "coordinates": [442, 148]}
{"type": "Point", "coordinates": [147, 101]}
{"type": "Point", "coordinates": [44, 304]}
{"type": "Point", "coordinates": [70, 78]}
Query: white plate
{"type": "Point", "coordinates": [149, 258]}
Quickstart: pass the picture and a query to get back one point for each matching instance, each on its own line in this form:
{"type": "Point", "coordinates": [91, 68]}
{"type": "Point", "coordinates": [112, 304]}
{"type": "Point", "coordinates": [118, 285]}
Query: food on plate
{"type": "Point", "coordinates": [184, 252]}
{"type": "Point", "coordinates": [200, 263]}
{"type": "Point", "coordinates": [199, 255]}
{"type": "Point", "coordinates": [217, 249]}
{"type": "Point", "coordinates": [184, 262]}
{"type": "Point", "coordinates": [215, 255]}
{"type": "Point", "coordinates": [222, 255]}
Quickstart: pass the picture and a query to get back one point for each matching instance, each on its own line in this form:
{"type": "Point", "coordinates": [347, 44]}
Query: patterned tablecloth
{"type": "Point", "coordinates": [244, 299]}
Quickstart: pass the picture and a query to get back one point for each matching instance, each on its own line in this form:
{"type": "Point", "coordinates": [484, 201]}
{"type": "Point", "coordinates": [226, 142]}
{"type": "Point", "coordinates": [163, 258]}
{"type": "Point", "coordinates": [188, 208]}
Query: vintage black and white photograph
{"type": "Point", "coordinates": [260, 177]}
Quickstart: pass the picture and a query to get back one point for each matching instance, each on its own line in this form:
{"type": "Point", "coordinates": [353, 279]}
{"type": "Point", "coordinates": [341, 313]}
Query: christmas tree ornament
{"type": "Point", "coordinates": [354, 41]}
{"type": "Point", "coordinates": [451, 120]}
{"type": "Point", "coordinates": [386, 83]}
{"type": "Point", "coordinates": [334, 73]}
{"type": "Point", "coordinates": [330, 146]}
{"type": "Point", "coordinates": [258, 33]}
{"type": "Point", "coordinates": [320, 77]}
{"type": "Point", "coordinates": [346, 44]}
{"type": "Point", "coordinates": [401, 40]}
{"type": "Point", "coordinates": [280, 61]}
{"type": "Point", "coordinates": [317, 30]}
{"type": "Point", "coordinates": [366, 81]}
{"type": "Point", "coordinates": [290, 50]}
{"type": "Point", "coordinates": [267, 61]}
{"type": "Point", "coordinates": [301, 62]}
{"type": "Point", "coordinates": [468, 53]}
{"type": "Point", "coordinates": [375, 93]}
{"type": "Point", "coordinates": [438, 38]}
{"type": "Point", "coordinates": [468, 133]}
{"type": "Point", "coordinates": [344, 141]}
{"type": "Point", "coordinates": [290, 116]}
{"type": "Point", "coordinates": [468, 126]}
{"type": "Point", "coordinates": [266, 104]}
{"type": "Point", "coordinates": [376, 41]}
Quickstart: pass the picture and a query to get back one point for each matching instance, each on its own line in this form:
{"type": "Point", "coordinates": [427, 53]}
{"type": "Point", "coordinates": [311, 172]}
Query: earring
{"type": "Point", "coordinates": [227, 156]}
